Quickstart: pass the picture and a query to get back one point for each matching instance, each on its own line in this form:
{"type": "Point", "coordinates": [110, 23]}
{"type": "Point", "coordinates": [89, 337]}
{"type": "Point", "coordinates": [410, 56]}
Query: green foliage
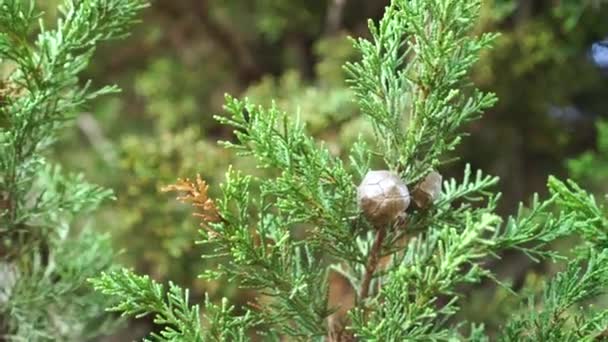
{"type": "Point", "coordinates": [449, 254]}
{"type": "Point", "coordinates": [314, 186]}
{"type": "Point", "coordinates": [44, 263]}
{"type": "Point", "coordinates": [164, 134]}
{"type": "Point", "coordinates": [558, 319]}
{"type": "Point", "coordinates": [141, 296]}
{"type": "Point", "coordinates": [592, 223]}
{"type": "Point", "coordinates": [48, 300]}
{"type": "Point", "coordinates": [429, 65]}
{"type": "Point", "coordinates": [283, 231]}
{"type": "Point", "coordinates": [175, 70]}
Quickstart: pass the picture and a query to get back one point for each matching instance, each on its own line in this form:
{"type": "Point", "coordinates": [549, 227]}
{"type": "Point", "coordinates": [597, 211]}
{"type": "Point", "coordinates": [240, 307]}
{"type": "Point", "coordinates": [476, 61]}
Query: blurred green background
{"type": "Point", "coordinates": [183, 57]}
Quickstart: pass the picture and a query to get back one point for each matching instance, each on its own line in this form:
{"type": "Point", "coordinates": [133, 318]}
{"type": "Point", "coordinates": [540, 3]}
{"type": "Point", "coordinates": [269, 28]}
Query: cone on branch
{"type": "Point", "coordinates": [382, 197]}
{"type": "Point", "coordinates": [428, 191]}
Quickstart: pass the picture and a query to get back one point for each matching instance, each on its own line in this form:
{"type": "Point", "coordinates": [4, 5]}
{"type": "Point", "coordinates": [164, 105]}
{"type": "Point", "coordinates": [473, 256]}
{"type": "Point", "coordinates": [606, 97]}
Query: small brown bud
{"type": "Point", "coordinates": [382, 197]}
{"type": "Point", "coordinates": [427, 192]}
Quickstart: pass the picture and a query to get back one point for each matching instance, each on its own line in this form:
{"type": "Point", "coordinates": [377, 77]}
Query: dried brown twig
{"type": "Point", "coordinates": [196, 194]}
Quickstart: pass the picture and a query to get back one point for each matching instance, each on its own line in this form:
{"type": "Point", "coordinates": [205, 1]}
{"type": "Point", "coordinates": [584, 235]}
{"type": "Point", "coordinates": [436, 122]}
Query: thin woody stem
{"type": "Point", "coordinates": [372, 263]}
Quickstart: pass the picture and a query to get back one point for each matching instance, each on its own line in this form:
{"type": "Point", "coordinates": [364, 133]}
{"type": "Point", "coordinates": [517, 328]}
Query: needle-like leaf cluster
{"type": "Point", "coordinates": [285, 233]}
{"type": "Point", "coordinates": [44, 260]}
